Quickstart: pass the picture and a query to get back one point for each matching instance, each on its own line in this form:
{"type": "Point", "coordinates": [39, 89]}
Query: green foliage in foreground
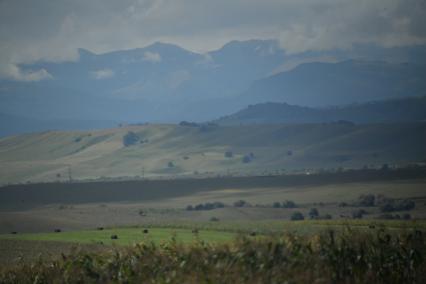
{"type": "Point", "coordinates": [346, 257]}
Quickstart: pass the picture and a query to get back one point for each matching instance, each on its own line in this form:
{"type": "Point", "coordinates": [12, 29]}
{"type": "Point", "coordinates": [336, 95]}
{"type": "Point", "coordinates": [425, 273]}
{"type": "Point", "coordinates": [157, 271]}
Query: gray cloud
{"type": "Point", "coordinates": [102, 74]}
{"type": "Point", "coordinates": [151, 56]}
{"type": "Point", "coordinates": [53, 30]}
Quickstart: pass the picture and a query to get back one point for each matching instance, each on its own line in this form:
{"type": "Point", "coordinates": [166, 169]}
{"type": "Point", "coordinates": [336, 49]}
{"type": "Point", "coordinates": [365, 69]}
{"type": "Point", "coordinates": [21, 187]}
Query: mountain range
{"type": "Point", "coordinates": [166, 83]}
{"type": "Point", "coordinates": [388, 111]}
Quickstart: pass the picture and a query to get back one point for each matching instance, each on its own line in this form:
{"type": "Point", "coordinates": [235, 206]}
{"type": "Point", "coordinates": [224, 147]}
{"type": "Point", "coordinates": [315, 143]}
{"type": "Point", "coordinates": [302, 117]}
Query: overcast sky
{"type": "Point", "coordinates": [54, 29]}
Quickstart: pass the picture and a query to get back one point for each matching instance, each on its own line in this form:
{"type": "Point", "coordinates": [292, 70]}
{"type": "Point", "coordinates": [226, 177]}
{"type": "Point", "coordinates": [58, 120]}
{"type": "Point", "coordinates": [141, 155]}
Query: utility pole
{"type": "Point", "coordinates": [69, 173]}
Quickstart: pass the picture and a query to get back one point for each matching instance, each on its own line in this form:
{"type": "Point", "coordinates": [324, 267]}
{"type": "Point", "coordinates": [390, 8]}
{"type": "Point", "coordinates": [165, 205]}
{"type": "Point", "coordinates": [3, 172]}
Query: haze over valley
{"type": "Point", "coordinates": [193, 141]}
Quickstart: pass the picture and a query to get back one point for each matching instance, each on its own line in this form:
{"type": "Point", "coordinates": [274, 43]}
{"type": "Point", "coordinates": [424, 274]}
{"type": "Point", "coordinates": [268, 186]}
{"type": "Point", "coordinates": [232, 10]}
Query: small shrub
{"type": "Point", "coordinates": [358, 214]}
{"type": "Point", "coordinates": [296, 216]}
{"type": "Point", "coordinates": [366, 200]}
{"type": "Point", "coordinates": [240, 203]}
{"type": "Point", "coordinates": [276, 205]}
{"type": "Point", "coordinates": [130, 139]}
{"type": "Point", "coordinates": [170, 164]}
{"type": "Point", "coordinates": [214, 219]}
{"type": "Point", "coordinates": [325, 217]}
{"type": "Point", "coordinates": [289, 204]}
{"type": "Point", "coordinates": [218, 204]}
{"type": "Point", "coordinates": [246, 159]}
{"type": "Point", "coordinates": [206, 206]}
{"type": "Point", "coordinates": [188, 124]}
{"type": "Point", "coordinates": [397, 205]}
{"type": "Point", "coordinates": [229, 154]}
{"type": "Point", "coordinates": [313, 213]}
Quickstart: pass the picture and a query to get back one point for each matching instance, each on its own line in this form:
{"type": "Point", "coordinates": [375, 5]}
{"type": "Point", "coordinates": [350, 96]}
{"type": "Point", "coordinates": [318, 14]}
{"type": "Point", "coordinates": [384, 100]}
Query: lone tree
{"type": "Point", "coordinates": [313, 213]}
{"type": "Point", "coordinates": [246, 159]}
{"type": "Point", "coordinates": [229, 154]}
{"type": "Point", "coordinates": [130, 138]}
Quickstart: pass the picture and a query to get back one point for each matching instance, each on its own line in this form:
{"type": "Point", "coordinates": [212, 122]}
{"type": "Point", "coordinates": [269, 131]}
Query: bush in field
{"type": "Point", "coordinates": [246, 159]}
{"type": "Point", "coordinates": [406, 216]}
{"type": "Point", "coordinates": [229, 154]}
{"type": "Point", "coordinates": [241, 203]}
{"type": "Point", "coordinates": [297, 216]}
{"type": "Point", "coordinates": [188, 124]}
{"type": "Point", "coordinates": [388, 216]}
{"type": "Point", "coordinates": [325, 217]}
{"type": "Point", "coordinates": [130, 138]}
{"type": "Point", "coordinates": [206, 206]}
{"type": "Point", "coordinates": [366, 200]}
{"type": "Point", "coordinates": [276, 204]}
{"type": "Point", "coordinates": [358, 214]}
{"type": "Point", "coordinates": [313, 213]}
{"type": "Point", "coordinates": [397, 205]}
{"type": "Point", "coordinates": [351, 257]}
{"type": "Point", "coordinates": [289, 204]}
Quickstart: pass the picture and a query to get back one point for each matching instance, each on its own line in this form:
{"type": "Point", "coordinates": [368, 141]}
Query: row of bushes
{"type": "Point", "coordinates": [285, 204]}
{"type": "Point", "coordinates": [385, 204]}
{"type": "Point", "coordinates": [240, 203]}
{"type": "Point", "coordinates": [313, 214]}
{"type": "Point", "coordinates": [246, 158]}
{"type": "Point", "coordinates": [205, 206]}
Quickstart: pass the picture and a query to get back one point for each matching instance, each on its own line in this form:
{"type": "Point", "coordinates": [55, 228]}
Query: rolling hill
{"type": "Point", "coordinates": [171, 150]}
{"type": "Point", "coordinates": [352, 81]}
{"type": "Point", "coordinates": [398, 110]}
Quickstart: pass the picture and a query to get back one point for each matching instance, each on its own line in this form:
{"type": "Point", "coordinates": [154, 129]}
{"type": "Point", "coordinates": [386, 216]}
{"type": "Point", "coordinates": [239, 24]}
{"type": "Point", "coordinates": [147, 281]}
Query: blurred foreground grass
{"type": "Point", "coordinates": [344, 256]}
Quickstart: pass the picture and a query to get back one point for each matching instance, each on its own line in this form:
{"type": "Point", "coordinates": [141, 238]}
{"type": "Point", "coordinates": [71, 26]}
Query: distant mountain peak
{"type": "Point", "coordinates": [84, 53]}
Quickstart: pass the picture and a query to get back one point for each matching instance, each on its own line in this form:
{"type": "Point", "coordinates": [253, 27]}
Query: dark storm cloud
{"type": "Point", "coordinates": [53, 30]}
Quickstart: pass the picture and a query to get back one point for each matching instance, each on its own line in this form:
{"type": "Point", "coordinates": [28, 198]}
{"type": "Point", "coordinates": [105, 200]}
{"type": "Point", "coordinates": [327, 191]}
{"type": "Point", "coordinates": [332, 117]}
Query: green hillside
{"type": "Point", "coordinates": [170, 150]}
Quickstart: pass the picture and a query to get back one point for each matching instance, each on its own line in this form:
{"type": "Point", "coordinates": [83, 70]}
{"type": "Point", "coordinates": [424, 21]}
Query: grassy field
{"type": "Point", "coordinates": [195, 151]}
{"type": "Point", "coordinates": [77, 206]}
{"type": "Point", "coordinates": [126, 236]}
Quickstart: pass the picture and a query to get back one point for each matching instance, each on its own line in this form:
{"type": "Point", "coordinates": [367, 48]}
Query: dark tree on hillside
{"type": "Point", "coordinates": [246, 159]}
{"type": "Point", "coordinates": [130, 138]}
{"type": "Point", "coordinates": [229, 154]}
